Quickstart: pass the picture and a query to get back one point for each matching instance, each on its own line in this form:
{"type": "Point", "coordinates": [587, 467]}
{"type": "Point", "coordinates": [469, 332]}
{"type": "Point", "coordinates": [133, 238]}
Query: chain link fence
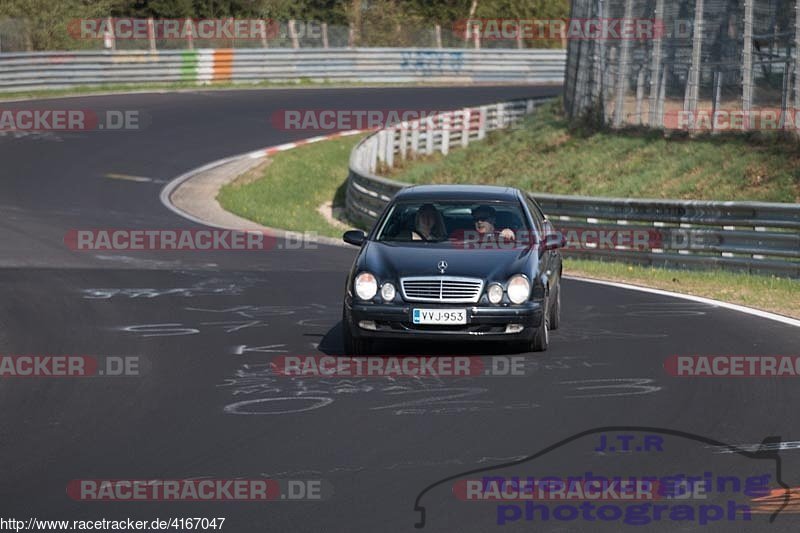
{"type": "Point", "coordinates": [15, 36]}
{"type": "Point", "coordinates": [697, 65]}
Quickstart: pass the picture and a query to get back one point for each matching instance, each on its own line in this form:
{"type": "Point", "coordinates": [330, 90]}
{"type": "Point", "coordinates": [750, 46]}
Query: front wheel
{"type": "Point", "coordinates": [555, 310]}
{"type": "Point", "coordinates": [541, 337]}
{"type": "Point", "coordinates": [353, 345]}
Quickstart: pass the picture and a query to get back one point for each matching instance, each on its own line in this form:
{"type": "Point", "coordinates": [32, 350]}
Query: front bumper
{"type": "Point", "coordinates": [483, 322]}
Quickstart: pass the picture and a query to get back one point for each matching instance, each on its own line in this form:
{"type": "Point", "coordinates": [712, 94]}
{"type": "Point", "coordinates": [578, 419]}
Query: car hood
{"type": "Point", "coordinates": [393, 261]}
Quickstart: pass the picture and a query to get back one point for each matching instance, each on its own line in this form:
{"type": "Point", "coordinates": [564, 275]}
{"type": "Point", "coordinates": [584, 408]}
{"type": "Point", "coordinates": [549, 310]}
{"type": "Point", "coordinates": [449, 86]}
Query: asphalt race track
{"type": "Point", "coordinates": [206, 325]}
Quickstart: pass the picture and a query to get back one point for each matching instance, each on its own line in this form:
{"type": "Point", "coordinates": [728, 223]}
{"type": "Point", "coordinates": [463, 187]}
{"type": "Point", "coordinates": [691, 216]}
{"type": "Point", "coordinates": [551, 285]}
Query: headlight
{"type": "Point", "coordinates": [495, 293]}
{"type": "Point", "coordinates": [365, 286]}
{"type": "Point", "coordinates": [519, 288]}
{"type": "Point", "coordinates": [387, 292]}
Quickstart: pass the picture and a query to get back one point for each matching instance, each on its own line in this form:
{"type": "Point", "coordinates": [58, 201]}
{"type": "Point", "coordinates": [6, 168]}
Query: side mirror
{"type": "Point", "coordinates": [355, 237]}
{"type": "Point", "coordinates": [554, 241]}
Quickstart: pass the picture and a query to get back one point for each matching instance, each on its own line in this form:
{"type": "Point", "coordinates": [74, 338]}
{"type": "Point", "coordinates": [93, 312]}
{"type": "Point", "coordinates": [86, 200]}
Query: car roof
{"type": "Point", "coordinates": [470, 193]}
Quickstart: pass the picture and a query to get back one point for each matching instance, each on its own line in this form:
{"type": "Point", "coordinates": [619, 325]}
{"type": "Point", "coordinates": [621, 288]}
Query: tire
{"type": "Point", "coordinates": [555, 310]}
{"type": "Point", "coordinates": [541, 337]}
{"type": "Point", "coordinates": [354, 345]}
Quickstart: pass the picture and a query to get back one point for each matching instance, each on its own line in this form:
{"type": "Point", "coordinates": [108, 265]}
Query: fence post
{"type": "Point", "coordinates": [796, 66]}
{"type": "Point", "coordinates": [786, 93]}
{"type": "Point", "coordinates": [715, 101]}
{"type": "Point", "coordinates": [482, 121]}
{"type": "Point", "coordinates": [262, 30]}
{"type": "Point", "coordinates": [151, 34]}
{"type": "Point", "coordinates": [446, 121]}
{"type": "Point", "coordinates": [189, 25]}
{"type": "Point", "coordinates": [622, 71]}
{"type": "Point", "coordinates": [373, 155]}
{"type": "Point", "coordinates": [693, 79]}
{"type": "Point", "coordinates": [109, 39]}
{"type": "Point", "coordinates": [466, 123]}
{"type": "Point", "coordinates": [403, 139]}
{"type": "Point", "coordinates": [429, 135]}
{"type": "Point", "coordinates": [390, 135]}
{"type": "Point", "coordinates": [415, 137]}
{"type": "Point", "coordinates": [324, 35]}
{"type": "Point", "coordinates": [655, 66]}
{"type": "Point", "coordinates": [382, 145]}
{"type": "Point", "coordinates": [293, 34]}
{"type": "Point", "coordinates": [437, 30]}
{"type": "Point", "coordinates": [662, 95]}
{"type": "Point", "coordinates": [639, 96]}
{"type": "Point", "coordinates": [747, 63]}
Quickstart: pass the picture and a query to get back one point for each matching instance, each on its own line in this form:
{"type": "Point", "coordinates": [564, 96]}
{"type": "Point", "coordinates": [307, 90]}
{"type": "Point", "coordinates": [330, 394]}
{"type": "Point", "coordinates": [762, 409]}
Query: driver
{"type": "Point", "coordinates": [484, 217]}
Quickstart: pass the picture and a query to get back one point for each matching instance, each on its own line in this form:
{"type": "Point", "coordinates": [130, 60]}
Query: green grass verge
{"type": "Point", "coordinates": [288, 192]}
{"type": "Point", "coordinates": [779, 295]}
{"type": "Point", "coordinates": [543, 155]}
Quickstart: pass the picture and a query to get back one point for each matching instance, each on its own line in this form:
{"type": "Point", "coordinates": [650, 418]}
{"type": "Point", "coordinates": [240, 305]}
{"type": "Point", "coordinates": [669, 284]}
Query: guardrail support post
{"type": "Point", "coordinates": [373, 155]}
{"type": "Point", "coordinates": [382, 145]}
{"type": "Point", "coordinates": [429, 132]}
{"type": "Point", "coordinates": [446, 121]}
{"type": "Point", "coordinates": [466, 126]}
{"type": "Point", "coordinates": [389, 156]}
{"type": "Point", "coordinates": [403, 140]}
{"type": "Point", "coordinates": [415, 137]}
{"type": "Point", "coordinates": [500, 119]}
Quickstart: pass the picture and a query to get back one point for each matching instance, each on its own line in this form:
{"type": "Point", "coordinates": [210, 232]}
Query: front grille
{"type": "Point", "coordinates": [442, 289]}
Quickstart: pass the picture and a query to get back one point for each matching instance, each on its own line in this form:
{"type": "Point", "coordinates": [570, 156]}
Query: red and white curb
{"type": "Point", "coordinates": [166, 192]}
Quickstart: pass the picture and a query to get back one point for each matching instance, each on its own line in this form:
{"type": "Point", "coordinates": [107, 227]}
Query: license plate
{"type": "Point", "coordinates": [440, 316]}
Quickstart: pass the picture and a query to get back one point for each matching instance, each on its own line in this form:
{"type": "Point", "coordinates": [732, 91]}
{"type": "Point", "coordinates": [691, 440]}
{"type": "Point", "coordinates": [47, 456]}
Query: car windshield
{"type": "Point", "coordinates": [437, 222]}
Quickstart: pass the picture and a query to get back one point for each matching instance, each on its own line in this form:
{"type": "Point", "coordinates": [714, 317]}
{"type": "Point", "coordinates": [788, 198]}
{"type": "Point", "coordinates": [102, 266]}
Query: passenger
{"type": "Point", "coordinates": [428, 224]}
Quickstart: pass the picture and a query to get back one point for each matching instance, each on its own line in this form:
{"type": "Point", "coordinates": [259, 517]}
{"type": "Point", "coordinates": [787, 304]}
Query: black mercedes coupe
{"type": "Point", "coordinates": [455, 262]}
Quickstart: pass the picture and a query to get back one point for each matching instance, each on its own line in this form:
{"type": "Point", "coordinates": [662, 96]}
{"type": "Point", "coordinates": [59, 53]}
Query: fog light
{"type": "Point", "coordinates": [367, 324]}
{"type": "Point", "coordinates": [495, 293]}
{"type": "Point", "coordinates": [514, 328]}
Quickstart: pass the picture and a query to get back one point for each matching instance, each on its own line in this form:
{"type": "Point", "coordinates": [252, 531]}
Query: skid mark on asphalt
{"type": "Point", "coordinates": [615, 387]}
{"type": "Point", "coordinates": [411, 395]}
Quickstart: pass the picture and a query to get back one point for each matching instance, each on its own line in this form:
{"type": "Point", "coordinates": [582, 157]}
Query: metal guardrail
{"type": "Point", "coordinates": [55, 70]}
{"type": "Point", "coordinates": [756, 237]}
